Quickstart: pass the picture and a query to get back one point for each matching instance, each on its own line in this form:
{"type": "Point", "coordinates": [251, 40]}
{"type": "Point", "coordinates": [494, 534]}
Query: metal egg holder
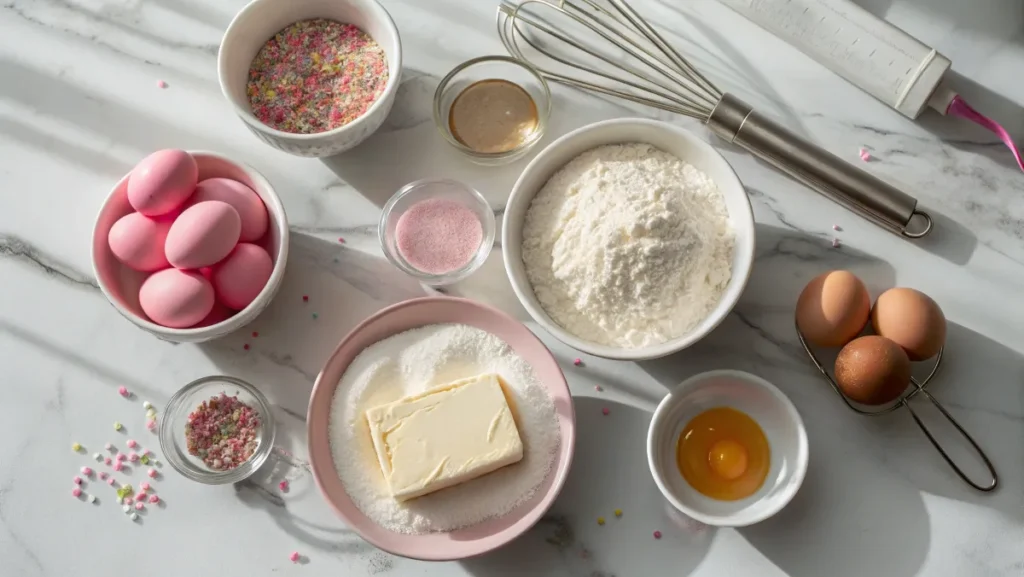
{"type": "Point", "coordinates": [904, 401]}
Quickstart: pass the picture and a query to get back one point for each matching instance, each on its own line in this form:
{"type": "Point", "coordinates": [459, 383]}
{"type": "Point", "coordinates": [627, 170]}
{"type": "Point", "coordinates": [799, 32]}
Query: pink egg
{"type": "Point", "coordinates": [176, 298]}
{"type": "Point", "coordinates": [162, 182]}
{"type": "Point", "coordinates": [241, 276]}
{"type": "Point", "coordinates": [218, 313]}
{"type": "Point", "coordinates": [138, 240]}
{"type": "Point", "coordinates": [248, 204]}
{"type": "Point", "coordinates": [203, 235]}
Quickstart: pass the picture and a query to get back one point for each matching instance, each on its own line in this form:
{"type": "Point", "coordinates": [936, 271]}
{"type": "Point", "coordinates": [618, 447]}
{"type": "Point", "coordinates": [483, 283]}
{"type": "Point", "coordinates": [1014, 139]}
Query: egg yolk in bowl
{"type": "Point", "coordinates": [723, 454]}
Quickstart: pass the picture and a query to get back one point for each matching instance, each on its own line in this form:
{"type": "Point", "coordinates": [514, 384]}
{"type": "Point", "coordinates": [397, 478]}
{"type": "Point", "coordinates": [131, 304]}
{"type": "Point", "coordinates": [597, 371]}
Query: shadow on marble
{"type": "Point", "coordinates": [1000, 18]}
{"type": "Point", "coordinates": [609, 472]}
{"type": "Point", "coordinates": [409, 147]}
{"type": "Point", "coordinates": [948, 239]}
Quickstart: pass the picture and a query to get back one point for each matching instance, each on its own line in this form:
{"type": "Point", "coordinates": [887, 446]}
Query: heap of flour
{"type": "Point", "coordinates": [628, 246]}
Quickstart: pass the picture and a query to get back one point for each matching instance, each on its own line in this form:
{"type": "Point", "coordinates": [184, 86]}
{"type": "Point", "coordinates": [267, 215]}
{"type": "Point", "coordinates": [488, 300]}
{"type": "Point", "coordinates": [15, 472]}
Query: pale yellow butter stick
{"type": "Point", "coordinates": [448, 435]}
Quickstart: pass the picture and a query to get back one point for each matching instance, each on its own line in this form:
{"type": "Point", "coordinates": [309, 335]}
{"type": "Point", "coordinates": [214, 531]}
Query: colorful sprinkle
{"type": "Point", "coordinates": [836, 243]}
{"type": "Point", "coordinates": [657, 534]}
{"type": "Point", "coordinates": [147, 405]}
{"type": "Point", "coordinates": [97, 456]}
{"type": "Point", "coordinates": [605, 411]}
{"type": "Point", "coordinates": [865, 155]}
{"type": "Point", "coordinates": [103, 475]}
{"type": "Point", "coordinates": [316, 75]}
{"type": "Point", "coordinates": [125, 491]}
{"type": "Point", "coordinates": [139, 506]}
{"type": "Point", "coordinates": [108, 447]}
{"type": "Point", "coordinates": [154, 499]}
{"type": "Point", "coordinates": [121, 457]}
{"type": "Point", "coordinates": [151, 424]}
{"type": "Point", "coordinates": [294, 557]}
{"type": "Point", "coordinates": [123, 391]}
{"type": "Point", "coordinates": [86, 471]}
{"type": "Point", "coordinates": [76, 447]}
{"type": "Point", "coordinates": [145, 486]}
{"type": "Point", "coordinates": [111, 481]}
{"type": "Point", "coordinates": [341, 240]}
{"type": "Point", "coordinates": [152, 473]}
{"type": "Point", "coordinates": [117, 426]}
{"type": "Point", "coordinates": [836, 227]}
{"type": "Point", "coordinates": [283, 485]}
{"type": "Point", "coordinates": [131, 444]}
{"type": "Point", "coordinates": [255, 334]}
{"type": "Point", "coordinates": [126, 508]}
{"type": "Point", "coordinates": [222, 432]}
{"type": "Point", "coordinates": [598, 388]}
{"type": "Point", "coordinates": [600, 520]}
{"type": "Point", "coordinates": [118, 466]}
{"type": "Point", "coordinates": [108, 461]}
{"type": "Point", "coordinates": [77, 480]}
{"type": "Point", "coordinates": [618, 512]}
{"type": "Point", "coordinates": [76, 492]}
{"type": "Point", "coordinates": [134, 516]}
{"type": "Point", "coordinates": [127, 500]}
{"type": "Point", "coordinates": [151, 413]}
{"type": "Point", "coordinates": [315, 316]}
{"type": "Point", "coordinates": [305, 298]}
{"type": "Point", "coordinates": [161, 84]}
{"type": "Point", "coordinates": [144, 459]}
{"type": "Point", "coordinates": [92, 498]}
{"type": "Point", "coordinates": [133, 457]}
{"type": "Point", "coordinates": [578, 362]}
{"type": "Point", "coordinates": [245, 346]}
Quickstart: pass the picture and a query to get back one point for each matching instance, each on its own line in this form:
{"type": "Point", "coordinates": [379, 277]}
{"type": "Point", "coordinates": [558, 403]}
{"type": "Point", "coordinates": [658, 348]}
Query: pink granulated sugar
{"type": "Point", "coordinates": [438, 236]}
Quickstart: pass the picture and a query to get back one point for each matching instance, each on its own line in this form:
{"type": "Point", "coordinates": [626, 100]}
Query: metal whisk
{"type": "Point", "coordinates": [648, 70]}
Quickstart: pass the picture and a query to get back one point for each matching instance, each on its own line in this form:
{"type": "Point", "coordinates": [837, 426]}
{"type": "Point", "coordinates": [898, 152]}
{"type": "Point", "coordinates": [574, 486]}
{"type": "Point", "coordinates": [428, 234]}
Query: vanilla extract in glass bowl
{"type": "Point", "coordinates": [493, 109]}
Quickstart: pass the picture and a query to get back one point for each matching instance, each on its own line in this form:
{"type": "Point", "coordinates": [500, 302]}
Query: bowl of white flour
{"type": "Point", "coordinates": [628, 239]}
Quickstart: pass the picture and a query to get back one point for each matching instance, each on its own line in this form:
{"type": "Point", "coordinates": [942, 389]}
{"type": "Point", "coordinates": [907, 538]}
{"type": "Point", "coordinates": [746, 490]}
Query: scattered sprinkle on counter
{"type": "Point", "coordinates": [145, 486]}
{"type": "Point", "coordinates": [600, 520]}
{"type": "Point", "coordinates": [865, 155]}
{"type": "Point", "coordinates": [152, 473]}
{"type": "Point", "coordinates": [305, 298]}
{"type": "Point", "coordinates": [316, 75]}
{"type": "Point", "coordinates": [605, 411]}
{"type": "Point", "coordinates": [836, 227]}
{"type": "Point", "coordinates": [836, 243]}
{"type": "Point", "coordinates": [294, 557]}
{"type": "Point", "coordinates": [255, 334]}
{"type": "Point", "coordinates": [103, 475]}
{"type": "Point", "coordinates": [107, 461]}
{"type": "Point", "coordinates": [222, 432]}
{"type": "Point", "coordinates": [154, 499]}
{"type": "Point", "coordinates": [117, 426]}
{"type": "Point", "coordinates": [598, 388]}
{"type": "Point", "coordinates": [97, 456]}
{"type": "Point", "coordinates": [86, 471]}
{"type": "Point", "coordinates": [578, 362]}
{"type": "Point", "coordinates": [161, 84]}
{"type": "Point", "coordinates": [131, 443]}
{"type": "Point", "coordinates": [151, 424]}
{"type": "Point", "coordinates": [122, 390]}
{"type": "Point", "coordinates": [618, 512]}
{"type": "Point", "coordinates": [315, 316]}
{"type": "Point", "coordinates": [283, 485]}
{"type": "Point", "coordinates": [657, 534]}
{"type": "Point", "coordinates": [76, 492]}
{"type": "Point", "coordinates": [76, 447]}
{"type": "Point", "coordinates": [111, 481]}
{"type": "Point", "coordinates": [341, 240]}
{"type": "Point", "coordinates": [245, 346]}
{"type": "Point", "coordinates": [121, 457]}
{"type": "Point", "coordinates": [92, 498]}
{"type": "Point", "coordinates": [77, 480]}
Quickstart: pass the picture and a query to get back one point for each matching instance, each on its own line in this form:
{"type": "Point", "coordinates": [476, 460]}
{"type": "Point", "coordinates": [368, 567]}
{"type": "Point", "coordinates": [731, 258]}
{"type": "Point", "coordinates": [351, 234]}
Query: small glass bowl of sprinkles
{"type": "Point", "coordinates": [217, 430]}
{"type": "Point", "coordinates": [438, 231]}
{"type": "Point", "coordinates": [493, 109]}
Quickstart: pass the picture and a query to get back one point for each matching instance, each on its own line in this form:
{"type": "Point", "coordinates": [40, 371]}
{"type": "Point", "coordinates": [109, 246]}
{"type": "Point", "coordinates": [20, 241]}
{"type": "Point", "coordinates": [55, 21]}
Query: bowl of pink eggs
{"type": "Point", "coordinates": [190, 245]}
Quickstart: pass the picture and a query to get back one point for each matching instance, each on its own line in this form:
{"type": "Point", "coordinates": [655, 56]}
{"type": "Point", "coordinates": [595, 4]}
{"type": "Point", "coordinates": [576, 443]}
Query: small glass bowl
{"type": "Point", "coordinates": [172, 428]}
{"type": "Point", "coordinates": [427, 189]}
{"type": "Point", "coordinates": [488, 68]}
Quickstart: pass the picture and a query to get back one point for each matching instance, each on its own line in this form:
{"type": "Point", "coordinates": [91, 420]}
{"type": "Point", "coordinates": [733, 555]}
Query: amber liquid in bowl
{"type": "Point", "coordinates": [493, 116]}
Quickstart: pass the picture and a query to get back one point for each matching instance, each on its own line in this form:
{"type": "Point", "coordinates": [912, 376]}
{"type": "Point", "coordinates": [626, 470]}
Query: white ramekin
{"type": "Point", "coordinates": [259, 21]}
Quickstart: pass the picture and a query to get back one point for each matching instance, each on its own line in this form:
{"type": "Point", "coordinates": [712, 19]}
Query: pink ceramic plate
{"type": "Point", "coordinates": [476, 539]}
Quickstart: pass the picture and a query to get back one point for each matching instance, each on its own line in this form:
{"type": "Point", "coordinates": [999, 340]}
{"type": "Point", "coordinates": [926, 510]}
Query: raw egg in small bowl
{"type": "Point", "coordinates": [727, 448]}
{"type": "Point", "coordinates": [123, 284]}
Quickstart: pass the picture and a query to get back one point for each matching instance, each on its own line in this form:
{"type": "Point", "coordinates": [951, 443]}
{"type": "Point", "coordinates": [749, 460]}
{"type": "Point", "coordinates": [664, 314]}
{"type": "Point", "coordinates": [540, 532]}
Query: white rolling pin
{"type": "Point", "coordinates": [868, 52]}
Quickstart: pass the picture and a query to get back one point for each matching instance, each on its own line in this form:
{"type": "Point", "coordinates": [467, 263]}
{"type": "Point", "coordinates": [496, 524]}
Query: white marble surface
{"type": "Point", "coordinates": [79, 104]}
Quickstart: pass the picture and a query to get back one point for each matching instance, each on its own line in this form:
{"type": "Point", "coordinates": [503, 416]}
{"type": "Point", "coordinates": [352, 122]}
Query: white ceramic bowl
{"type": "Point", "coordinates": [120, 284]}
{"type": "Point", "coordinates": [764, 403]}
{"type": "Point", "coordinates": [669, 138]}
{"type": "Point", "coordinates": [260, 20]}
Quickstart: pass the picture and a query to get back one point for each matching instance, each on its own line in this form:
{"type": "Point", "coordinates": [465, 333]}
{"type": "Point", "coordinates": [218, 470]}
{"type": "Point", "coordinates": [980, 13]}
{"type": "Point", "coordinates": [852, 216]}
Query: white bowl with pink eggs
{"type": "Point", "coordinates": [190, 246]}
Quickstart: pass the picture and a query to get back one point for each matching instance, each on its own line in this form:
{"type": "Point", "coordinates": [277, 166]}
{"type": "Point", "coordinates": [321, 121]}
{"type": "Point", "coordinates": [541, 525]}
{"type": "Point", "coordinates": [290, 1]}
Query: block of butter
{"type": "Point", "coordinates": [445, 436]}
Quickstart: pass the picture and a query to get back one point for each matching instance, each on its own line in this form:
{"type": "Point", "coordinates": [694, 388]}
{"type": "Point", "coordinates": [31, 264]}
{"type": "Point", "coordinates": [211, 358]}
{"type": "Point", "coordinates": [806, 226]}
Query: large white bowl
{"type": "Point", "coordinates": [259, 21]}
{"type": "Point", "coordinates": [671, 139]}
{"type": "Point", "coordinates": [764, 403]}
{"type": "Point", "coordinates": [120, 284]}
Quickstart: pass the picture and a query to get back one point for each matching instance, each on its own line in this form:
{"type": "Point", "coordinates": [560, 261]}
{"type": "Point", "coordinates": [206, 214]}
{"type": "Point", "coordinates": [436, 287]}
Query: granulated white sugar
{"type": "Point", "coordinates": [410, 363]}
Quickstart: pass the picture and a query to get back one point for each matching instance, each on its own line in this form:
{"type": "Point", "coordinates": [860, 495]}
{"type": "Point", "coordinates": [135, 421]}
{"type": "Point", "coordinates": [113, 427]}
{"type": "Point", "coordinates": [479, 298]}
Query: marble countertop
{"type": "Point", "coordinates": [79, 104]}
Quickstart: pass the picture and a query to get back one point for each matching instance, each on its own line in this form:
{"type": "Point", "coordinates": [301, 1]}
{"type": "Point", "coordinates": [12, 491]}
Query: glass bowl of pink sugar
{"type": "Point", "coordinates": [438, 231]}
{"type": "Point", "coordinates": [217, 430]}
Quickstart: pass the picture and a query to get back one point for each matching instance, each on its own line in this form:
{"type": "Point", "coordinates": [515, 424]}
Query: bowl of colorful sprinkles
{"type": "Point", "coordinates": [217, 430]}
{"type": "Point", "coordinates": [311, 77]}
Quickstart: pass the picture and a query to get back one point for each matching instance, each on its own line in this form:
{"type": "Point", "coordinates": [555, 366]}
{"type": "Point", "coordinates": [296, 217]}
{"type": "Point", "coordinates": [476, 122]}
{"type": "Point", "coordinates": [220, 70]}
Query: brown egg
{"type": "Point", "coordinates": [833, 308]}
{"type": "Point", "coordinates": [872, 370]}
{"type": "Point", "coordinates": [912, 320]}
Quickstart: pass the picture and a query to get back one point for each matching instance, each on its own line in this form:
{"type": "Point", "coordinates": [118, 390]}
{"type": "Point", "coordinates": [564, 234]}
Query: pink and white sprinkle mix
{"type": "Point", "coordinates": [132, 444]}
{"type": "Point", "coordinates": [578, 362]}
{"type": "Point", "coordinates": [316, 75]}
{"type": "Point", "coordinates": [103, 475]}
{"type": "Point", "coordinates": [77, 480]}
{"type": "Point", "coordinates": [151, 473]}
{"type": "Point", "coordinates": [657, 534]}
{"type": "Point", "coordinates": [86, 471]}
{"type": "Point", "coordinates": [145, 486]}
{"type": "Point", "coordinates": [161, 84]}
{"type": "Point", "coordinates": [294, 557]}
{"type": "Point", "coordinates": [154, 499]}
{"type": "Point", "coordinates": [118, 466]}
{"type": "Point", "coordinates": [836, 243]}
{"type": "Point", "coordinates": [123, 391]}
{"type": "Point", "coordinates": [108, 461]}
{"type": "Point", "coordinates": [222, 432]}
{"type": "Point", "coordinates": [76, 492]}
{"type": "Point", "coordinates": [865, 155]}
{"type": "Point", "coordinates": [139, 506]}
{"type": "Point", "coordinates": [133, 457]}
{"type": "Point", "coordinates": [111, 481]}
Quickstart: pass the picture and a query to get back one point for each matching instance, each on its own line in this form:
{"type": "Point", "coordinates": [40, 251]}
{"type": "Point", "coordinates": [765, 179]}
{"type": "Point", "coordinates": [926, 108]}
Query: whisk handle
{"type": "Point", "coordinates": [737, 122]}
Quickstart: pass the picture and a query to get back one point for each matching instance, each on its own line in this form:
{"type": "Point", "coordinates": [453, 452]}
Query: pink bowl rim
{"type": "Point", "coordinates": [342, 503]}
{"type": "Point", "coordinates": [276, 274]}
